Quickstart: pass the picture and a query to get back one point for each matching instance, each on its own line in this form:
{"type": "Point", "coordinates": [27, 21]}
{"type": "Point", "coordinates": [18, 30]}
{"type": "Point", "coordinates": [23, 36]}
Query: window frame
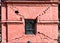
{"type": "Point", "coordinates": [34, 28]}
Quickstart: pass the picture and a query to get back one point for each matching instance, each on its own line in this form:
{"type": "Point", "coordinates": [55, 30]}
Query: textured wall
{"type": "Point", "coordinates": [45, 33]}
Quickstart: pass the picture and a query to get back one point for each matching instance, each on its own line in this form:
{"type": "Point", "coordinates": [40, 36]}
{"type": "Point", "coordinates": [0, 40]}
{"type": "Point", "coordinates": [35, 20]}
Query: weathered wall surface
{"type": "Point", "coordinates": [43, 12]}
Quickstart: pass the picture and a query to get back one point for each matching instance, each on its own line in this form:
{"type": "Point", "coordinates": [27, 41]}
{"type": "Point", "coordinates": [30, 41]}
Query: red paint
{"type": "Point", "coordinates": [46, 27]}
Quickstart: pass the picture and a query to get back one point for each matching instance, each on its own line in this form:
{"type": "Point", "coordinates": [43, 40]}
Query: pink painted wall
{"type": "Point", "coordinates": [16, 32]}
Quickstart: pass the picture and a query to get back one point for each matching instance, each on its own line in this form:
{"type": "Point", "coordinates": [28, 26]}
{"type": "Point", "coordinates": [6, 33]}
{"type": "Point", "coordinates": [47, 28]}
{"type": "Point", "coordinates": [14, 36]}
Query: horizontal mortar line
{"type": "Point", "coordinates": [31, 2]}
{"type": "Point", "coordinates": [41, 22]}
{"type": "Point", "coordinates": [24, 20]}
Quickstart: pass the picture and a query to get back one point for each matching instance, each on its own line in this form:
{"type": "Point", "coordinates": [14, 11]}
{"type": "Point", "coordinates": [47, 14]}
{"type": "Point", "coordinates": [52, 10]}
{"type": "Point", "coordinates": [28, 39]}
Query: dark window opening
{"type": "Point", "coordinates": [30, 26]}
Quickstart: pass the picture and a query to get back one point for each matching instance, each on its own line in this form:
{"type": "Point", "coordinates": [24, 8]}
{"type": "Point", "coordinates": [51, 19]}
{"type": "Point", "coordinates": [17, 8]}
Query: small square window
{"type": "Point", "coordinates": [30, 25]}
